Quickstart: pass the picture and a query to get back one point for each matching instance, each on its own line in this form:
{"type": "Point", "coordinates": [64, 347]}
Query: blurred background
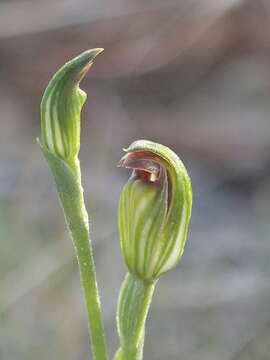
{"type": "Point", "coordinates": [191, 74]}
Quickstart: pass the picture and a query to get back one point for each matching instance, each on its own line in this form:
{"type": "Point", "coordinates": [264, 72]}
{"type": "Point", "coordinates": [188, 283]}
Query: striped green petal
{"type": "Point", "coordinates": [61, 107]}
{"type": "Point", "coordinates": [154, 209]}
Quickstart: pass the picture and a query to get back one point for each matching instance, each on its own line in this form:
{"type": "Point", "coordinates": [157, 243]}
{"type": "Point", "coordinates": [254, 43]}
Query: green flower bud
{"type": "Point", "coordinates": [154, 209]}
{"type": "Point", "coordinates": [61, 107]}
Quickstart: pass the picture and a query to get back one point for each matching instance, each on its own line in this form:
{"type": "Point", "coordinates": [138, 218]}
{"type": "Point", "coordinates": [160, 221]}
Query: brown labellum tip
{"type": "Point", "coordinates": [144, 164]}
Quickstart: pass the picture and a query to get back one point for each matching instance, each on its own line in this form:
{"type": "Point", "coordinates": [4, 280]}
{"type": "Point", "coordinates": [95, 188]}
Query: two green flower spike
{"type": "Point", "coordinates": [154, 210]}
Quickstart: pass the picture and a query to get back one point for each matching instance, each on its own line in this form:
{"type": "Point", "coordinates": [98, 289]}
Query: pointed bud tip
{"type": "Point", "coordinates": [85, 60]}
{"type": "Point", "coordinates": [61, 106]}
{"type": "Point", "coordinates": [92, 53]}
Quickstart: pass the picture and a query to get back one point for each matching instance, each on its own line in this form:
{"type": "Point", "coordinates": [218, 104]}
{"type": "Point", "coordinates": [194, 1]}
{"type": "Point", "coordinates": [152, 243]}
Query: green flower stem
{"type": "Point", "coordinates": [60, 111]}
{"type": "Point", "coordinates": [133, 306]}
{"type": "Point", "coordinates": [67, 178]}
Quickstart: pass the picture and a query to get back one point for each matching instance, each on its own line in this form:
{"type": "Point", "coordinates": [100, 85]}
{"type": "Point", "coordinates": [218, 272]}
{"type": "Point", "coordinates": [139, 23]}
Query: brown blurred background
{"type": "Point", "coordinates": [191, 74]}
